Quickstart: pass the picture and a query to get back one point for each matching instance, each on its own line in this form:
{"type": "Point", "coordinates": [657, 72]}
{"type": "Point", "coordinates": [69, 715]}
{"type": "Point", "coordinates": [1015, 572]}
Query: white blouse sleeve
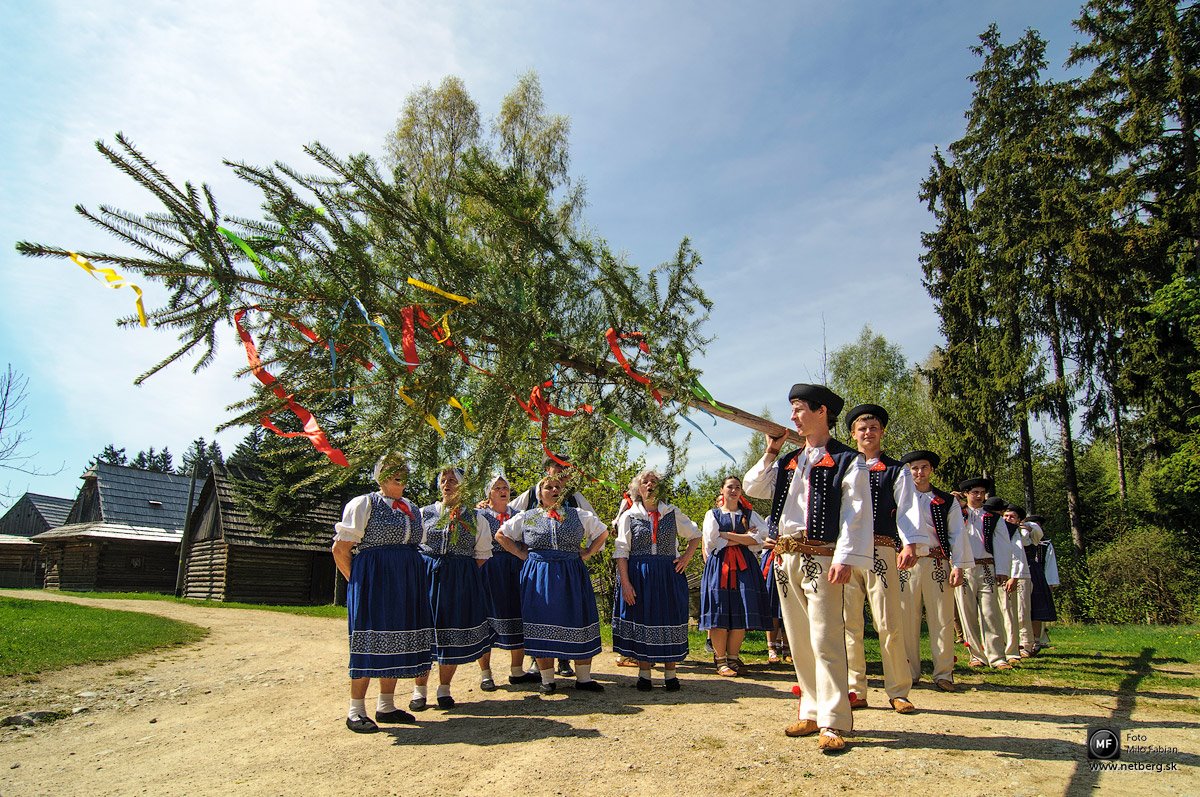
{"type": "Point", "coordinates": [584, 504]}
{"type": "Point", "coordinates": [1051, 566]}
{"type": "Point", "coordinates": [623, 539]}
{"type": "Point", "coordinates": [514, 527]}
{"type": "Point", "coordinates": [684, 526]}
{"type": "Point", "coordinates": [483, 537]}
{"type": "Point", "coordinates": [758, 529]}
{"type": "Point", "coordinates": [760, 479]}
{"type": "Point", "coordinates": [960, 547]}
{"type": "Point", "coordinates": [712, 533]}
{"type": "Point", "coordinates": [354, 520]}
{"type": "Point", "coordinates": [593, 526]}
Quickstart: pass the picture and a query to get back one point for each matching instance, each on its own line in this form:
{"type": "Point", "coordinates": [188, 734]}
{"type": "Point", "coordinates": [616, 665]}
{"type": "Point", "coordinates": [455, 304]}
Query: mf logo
{"type": "Point", "coordinates": [1103, 744]}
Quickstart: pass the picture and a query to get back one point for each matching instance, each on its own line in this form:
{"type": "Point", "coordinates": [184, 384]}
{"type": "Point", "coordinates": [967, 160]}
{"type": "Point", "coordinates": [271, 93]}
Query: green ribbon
{"type": "Point", "coordinates": [250, 253]}
{"type": "Point", "coordinates": [625, 427]}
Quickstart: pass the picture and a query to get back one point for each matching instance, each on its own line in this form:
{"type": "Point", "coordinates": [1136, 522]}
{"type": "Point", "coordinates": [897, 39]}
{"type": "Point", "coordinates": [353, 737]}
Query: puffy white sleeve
{"type": "Point", "coordinates": [483, 537]}
{"type": "Point", "coordinates": [712, 533]}
{"type": "Point", "coordinates": [960, 548]}
{"type": "Point", "coordinates": [593, 526]}
{"type": "Point", "coordinates": [758, 529]}
{"type": "Point", "coordinates": [623, 540]}
{"type": "Point", "coordinates": [684, 526]}
{"type": "Point", "coordinates": [583, 503]}
{"type": "Point", "coordinates": [856, 540]}
{"type": "Point", "coordinates": [354, 520]}
{"type": "Point", "coordinates": [908, 512]}
{"type": "Point", "coordinates": [760, 479]}
{"type": "Point", "coordinates": [514, 527]}
{"type": "Point", "coordinates": [1051, 565]}
{"type": "Point", "coordinates": [521, 502]}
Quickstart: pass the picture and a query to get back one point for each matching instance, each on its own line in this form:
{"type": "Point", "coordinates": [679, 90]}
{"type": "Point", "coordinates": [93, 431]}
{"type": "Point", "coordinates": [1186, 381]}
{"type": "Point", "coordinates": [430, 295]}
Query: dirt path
{"type": "Point", "coordinates": [258, 708]}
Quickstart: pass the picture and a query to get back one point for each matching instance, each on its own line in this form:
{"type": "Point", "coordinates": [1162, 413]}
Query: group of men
{"type": "Point", "coordinates": [852, 526]}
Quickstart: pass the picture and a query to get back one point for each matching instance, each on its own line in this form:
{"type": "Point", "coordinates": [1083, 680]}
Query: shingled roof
{"type": "Point", "coordinates": [239, 529]}
{"type": "Point", "coordinates": [52, 509]}
{"type": "Point", "coordinates": [33, 513]}
{"type": "Point", "coordinates": [132, 504]}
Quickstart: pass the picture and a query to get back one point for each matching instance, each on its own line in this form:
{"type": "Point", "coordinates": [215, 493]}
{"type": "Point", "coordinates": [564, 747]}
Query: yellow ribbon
{"type": "Point", "coordinates": [432, 421]}
{"type": "Point", "coordinates": [425, 286]}
{"type": "Point", "coordinates": [454, 402]}
{"type": "Point", "coordinates": [114, 281]}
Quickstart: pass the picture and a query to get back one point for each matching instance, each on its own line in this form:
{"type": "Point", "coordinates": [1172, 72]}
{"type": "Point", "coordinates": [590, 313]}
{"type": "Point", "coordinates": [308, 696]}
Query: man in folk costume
{"type": "Point", "coordinates": [898, 543]}
{"type": "Point", "coordinates": [936, 575]}
{"type": "Point", "coordinates": [821, 509]}
{"type": "Point", "coordinates": [554, 469]}
{"type": "Point", "coordinates": [1013, 602]}
{"type": "Point", "coordinates": [979, 598]}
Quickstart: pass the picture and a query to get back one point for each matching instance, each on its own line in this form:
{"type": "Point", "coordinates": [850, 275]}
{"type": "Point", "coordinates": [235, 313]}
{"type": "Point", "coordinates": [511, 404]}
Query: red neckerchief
{"type": "Point", "coordinates": [553, 515]}
{"type": "Point", "coordinates": [654, 517]}
{"type": "Point", "coordinates": [400, 503]}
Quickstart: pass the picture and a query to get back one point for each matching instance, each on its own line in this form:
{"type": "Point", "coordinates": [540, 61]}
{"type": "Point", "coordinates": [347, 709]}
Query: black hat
{"type": "Point", "coordinates": [966, 485]}
{"type": "Point", "coordinates": [1020, 510]}
{"type": "Point", "coordinates": [913, 456]}
{"type": "Point", "coordinates": [818, 394]}
{"type": "Point", "coordinates": [996, 505]}
{"type": "Point", "coordinates": [549, 460]}
{"type": "Point", "coordinates": [866, 409]}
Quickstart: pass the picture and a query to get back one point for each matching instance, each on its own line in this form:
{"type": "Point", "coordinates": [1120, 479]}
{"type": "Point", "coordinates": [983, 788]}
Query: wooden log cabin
{"type": "Point", "coordinates": [20, 556]}
{"type": "Point", "coordinates": [227, 557]}
{"type": "Point", "coordinates": [122, 533]}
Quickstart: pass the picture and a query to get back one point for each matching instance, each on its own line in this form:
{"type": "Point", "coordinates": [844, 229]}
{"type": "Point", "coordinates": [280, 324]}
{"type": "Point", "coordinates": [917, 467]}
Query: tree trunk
{"type": "Point", "coordinates": [1063, 411]}
{"type": "Point", "coordinates": [1120, 444]}
{"type": "Point", "coordinates": [1026, 451]}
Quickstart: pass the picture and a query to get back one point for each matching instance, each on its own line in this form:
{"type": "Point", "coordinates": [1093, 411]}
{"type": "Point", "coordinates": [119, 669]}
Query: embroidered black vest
{"type": "Point", "coordinates": [883, 496]}
{"type": "Point", "coordinates": [989, 528]}
{"type": "Point", "coordinates": [824, 491]}
{"type": "Point", "coordinates": [941, 517]}
{"type": "Point", "coordinates": [641, 536]}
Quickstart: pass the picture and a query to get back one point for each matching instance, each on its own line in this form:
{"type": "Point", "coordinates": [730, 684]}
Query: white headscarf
{"type": "Point", "coordinates": [499, 477]}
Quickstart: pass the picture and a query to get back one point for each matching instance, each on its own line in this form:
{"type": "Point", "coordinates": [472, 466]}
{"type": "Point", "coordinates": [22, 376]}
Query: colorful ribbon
{"type": "Point", "coordinates": [383, 334]}
{"type": "Point", "coordinates": [612, 337]}
{"type": "Point", "coordinates": [429, 418]}
{"type": "Point", "coordinates": [312, 429]}
{"type": "Point", "coordinates": [425, 286]}
{"type": "Point", "coordinates": [696, 426]}
{"type": "Point", "coordinates": [250, 253]}
{"type": "Point", "coordinates": [733, 563]}
{"type": "Point", "coordinates": [114, 281]}
{"type": "Point", "coordinates": [625, 427]}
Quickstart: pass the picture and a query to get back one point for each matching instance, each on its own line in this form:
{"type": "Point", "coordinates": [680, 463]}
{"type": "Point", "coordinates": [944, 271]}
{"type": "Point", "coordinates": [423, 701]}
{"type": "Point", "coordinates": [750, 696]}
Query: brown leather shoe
{"type": "Point", "coordinates": [1003, 666]}
{"type": "Point", "coordinates": [801, 728]}
{"type": "Point", "coordinates": [945, 685]}
{"type": "Point", "coordinates": [830, 740]}
{"type": "Point", "coordinates": [902, 706]}
{"type": "Point", "coordinates": [858, 702]}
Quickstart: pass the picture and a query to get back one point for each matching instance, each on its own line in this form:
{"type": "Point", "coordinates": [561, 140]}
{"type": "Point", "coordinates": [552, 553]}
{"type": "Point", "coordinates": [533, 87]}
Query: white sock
{"type": "Point", "coordinates": [420, 691]}
{"type": "Point", "coordinates": [357, 710]}
{"type": "Point", "coordinates": [583, 673]}
{"type": "Point", "coordinates": [386, 702]}
{"type": "Point", "coordinates": [668, 674]}
{"type": "Point", "coordinates": [516, 671]}
{"type": "Point", "coordinates": [644, 672]}
{"type": "Point", "coordinates": [485, 675]}
{"type": "Point", "coordinates": [547, 675]}
{"type": "Point", "coordinates": [443, 690]}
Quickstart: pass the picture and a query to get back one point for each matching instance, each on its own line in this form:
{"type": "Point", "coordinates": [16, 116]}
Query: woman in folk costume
{"type": "Point", "coordinates": [1043, 569]}
{"type": "Point", "coordinates": [502, 580]}
{"type": "Point", "coordinates": [733, 597]}
{"type": "Point", "coordinates": [650, 607]}
{"type": "Point", "coordinates": [387, 594]}
{"type": "Point", "coordinates": [455, 548]}
{"type": "Point", "coordinates": [558, 605]}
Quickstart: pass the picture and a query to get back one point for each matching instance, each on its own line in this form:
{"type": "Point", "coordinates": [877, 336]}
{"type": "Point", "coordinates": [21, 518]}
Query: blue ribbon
{"type": "Point", "coordinates": [706, 437]}
{"type": "Point", "coordinates": [383, 333]}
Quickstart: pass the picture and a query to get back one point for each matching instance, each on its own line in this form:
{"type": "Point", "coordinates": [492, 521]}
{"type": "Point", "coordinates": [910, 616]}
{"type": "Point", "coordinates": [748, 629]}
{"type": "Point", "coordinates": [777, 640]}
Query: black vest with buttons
{"type": "Point", "coordinates": [824, 491]}
{"type": "Point", "coordinates": [989, 528]}
{"type": "Point", "coordinates": [941, 516]}
{"type": "Point", "coordinates": [883, 497]}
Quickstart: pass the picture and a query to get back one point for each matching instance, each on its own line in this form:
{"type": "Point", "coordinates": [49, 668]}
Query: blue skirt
{"type": "Point", "coordinates": [387, 603]}
{"type": "Point", "coordinates": [654, 628]}
{"type": "Point", "coordinates": [461, 610]}
{"type": "Point", "coordinates": [774, 610]}
{"type": "Point", "coordinates": [740, 602]}
{"type": "Point", "coordinates": [502, 580]}
{"type": "Point", "coordinates": [558, 606]}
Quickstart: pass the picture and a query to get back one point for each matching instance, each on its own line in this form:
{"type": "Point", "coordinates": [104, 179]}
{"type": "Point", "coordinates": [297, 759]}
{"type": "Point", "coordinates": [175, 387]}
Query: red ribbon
{"type": "Point", "coordinates": [312, 429]}
{"type": "Point", "coordinates": [654, 518]}
{"type": "Point", "coordinates": [539, 409]}
{"type": "Point", "coordinates": [340, 347]}
{"type": "Point", "coordinates": [553, 515]}
{"type": "Point", "coordinates": [401, 504]}
{"type": "Point", "coordinates": [415, 314]}
{"type": "Point", "coordinates": [612, 337]}
{"type": "Point", "coordinates": [733, 563]}
{"type": "Point", "coordinates": [766, 568]}
{"type": "Point", "coordinates": [938, 500]}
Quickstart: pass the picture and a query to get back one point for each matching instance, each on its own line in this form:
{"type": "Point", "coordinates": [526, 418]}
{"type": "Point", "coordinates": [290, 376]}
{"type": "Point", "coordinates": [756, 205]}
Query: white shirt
{"type": "Point", "coordinates": [684, 527]}
{"type": "Point", "coordinates": [358, 512]}
{"type": "Point", "coordinates": [856, 538]}
{"type": "Point", "coordinates": [713, 541]}
{"type": "Point", "coordinates": [960, 549]}
{"type": "Point", "coordinates": [1051, 565]}
{"type": "Point", "coordinates": [908, 514]}
{"type": "Point", "coordinates": [514, 527]}
{"type": "Point", "coordinates": [974, 530]}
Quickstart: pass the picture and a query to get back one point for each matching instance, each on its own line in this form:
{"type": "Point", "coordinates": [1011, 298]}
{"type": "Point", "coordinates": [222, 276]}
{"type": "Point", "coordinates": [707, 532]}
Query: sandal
{"type": "Point", "coordinates": [737, 665]}
{"type": "Point", "coordinates": [773, 656]}
{"type": "Point", "coordinates": [723, 668]}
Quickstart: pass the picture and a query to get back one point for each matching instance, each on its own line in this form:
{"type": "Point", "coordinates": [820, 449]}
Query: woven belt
{"type": "Point", "coordinates": [985, 561]}
{"type": "Point", "coordinates": [882, 541]}
{"type": "Point", "coordinates": [800, 545]}
{"type": "Point", "coordinates": [936, 553]}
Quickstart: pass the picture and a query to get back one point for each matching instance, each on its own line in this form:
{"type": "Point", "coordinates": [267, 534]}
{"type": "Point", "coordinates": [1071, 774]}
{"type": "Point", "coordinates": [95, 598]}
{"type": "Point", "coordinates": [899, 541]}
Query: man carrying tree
{"type": "Point", "coordinates": [896, 522]}
{"type": "Point", "coordinates": [978, 597]}
{"type": "Point", "coordinates": [820, 506]}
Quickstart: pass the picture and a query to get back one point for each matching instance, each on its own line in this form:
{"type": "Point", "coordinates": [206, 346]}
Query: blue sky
{"type": "Point", "coordinates": [788, 140]}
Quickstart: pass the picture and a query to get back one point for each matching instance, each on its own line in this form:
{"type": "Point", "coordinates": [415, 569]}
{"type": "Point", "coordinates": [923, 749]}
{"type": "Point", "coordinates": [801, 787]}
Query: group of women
{"type": "Point", "coordinates": [448, 582]}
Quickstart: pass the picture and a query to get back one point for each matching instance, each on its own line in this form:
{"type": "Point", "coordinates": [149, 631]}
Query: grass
{"type": "Point", "coordinates": [306, 611]}
{"type": "Point", "coordinates": [46, 635]}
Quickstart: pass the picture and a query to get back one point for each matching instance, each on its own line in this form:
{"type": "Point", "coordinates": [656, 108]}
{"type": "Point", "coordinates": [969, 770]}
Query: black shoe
{"type": "Point", "coordinates": [445, 701]}
{"type": "Point", "coordinates": [417, 704]}
{"type": "Point", "coordinates": [394, 716]}
{"type": "Point", "coordinates": [549, 689]}
{"type": "Point", "coordinates": [708, 648]}
{"type": "Point", "coordinates": [672, 684]}
{"type": "Point", "coordinates": [525, 678]}
{"type": "Point", "coordinates": [589, 686]}
{"type": "Point", "coordinates": [487, 685]}
{"type": "Point", "coordinates": [564, 669]}
{"type": "Point", "coordinates": [361, 725]}
{"type": "Point", "coordinates": [643, 684]}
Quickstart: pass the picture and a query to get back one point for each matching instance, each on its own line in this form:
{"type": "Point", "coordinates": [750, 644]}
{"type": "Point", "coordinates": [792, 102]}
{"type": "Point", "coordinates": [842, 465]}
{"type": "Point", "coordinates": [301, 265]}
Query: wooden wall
{"type": "Point", "coordinates": [20, 566]}
{"type": "Point", "coordinates": [204, 577]}
{"type": "Point", "coordinates": [272, 575]}
{"type": "Point", "coordinates": [137, 566]}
